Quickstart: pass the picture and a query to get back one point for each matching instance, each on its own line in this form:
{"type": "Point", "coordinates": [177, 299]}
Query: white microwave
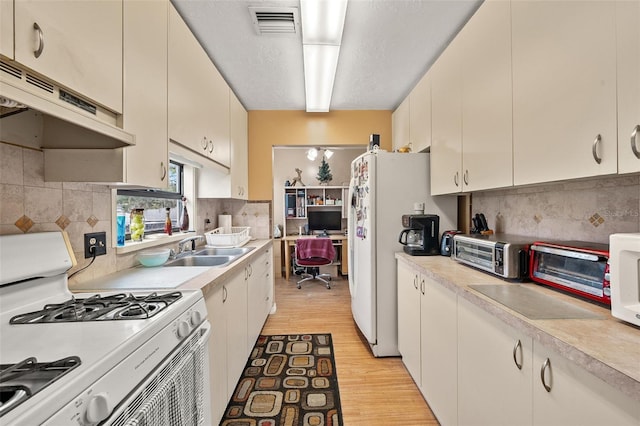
{"type": "Point", "coordinates": [624, 265]}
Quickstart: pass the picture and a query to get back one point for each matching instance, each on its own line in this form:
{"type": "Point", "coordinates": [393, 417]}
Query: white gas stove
{"type": "Point", "coordinates": [86, 359]}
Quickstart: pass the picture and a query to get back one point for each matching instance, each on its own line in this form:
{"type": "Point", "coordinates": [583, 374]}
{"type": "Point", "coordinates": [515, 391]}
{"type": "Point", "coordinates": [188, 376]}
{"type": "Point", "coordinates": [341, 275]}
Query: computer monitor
{"type": "Point", "coordinates": [324, 220]}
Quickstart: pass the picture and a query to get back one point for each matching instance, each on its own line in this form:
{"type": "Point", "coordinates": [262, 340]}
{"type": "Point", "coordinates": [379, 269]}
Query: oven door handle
{"type": "Point", "coordinates": [205, 331]}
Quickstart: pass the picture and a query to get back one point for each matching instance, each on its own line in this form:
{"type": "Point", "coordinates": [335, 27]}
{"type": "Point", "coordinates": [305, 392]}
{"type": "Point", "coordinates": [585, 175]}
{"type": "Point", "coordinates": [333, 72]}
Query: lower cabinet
{"type": "Point", "coordinates": [474, 369]}
{"type": "Point", "coordinates": [237, 310]}
{"type": "Point", "coordinates": [494, 370]}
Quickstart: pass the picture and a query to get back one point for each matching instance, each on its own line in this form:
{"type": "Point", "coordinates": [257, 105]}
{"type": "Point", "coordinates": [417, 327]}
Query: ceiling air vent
{"type": "Point", "coordinates": [275, 20]}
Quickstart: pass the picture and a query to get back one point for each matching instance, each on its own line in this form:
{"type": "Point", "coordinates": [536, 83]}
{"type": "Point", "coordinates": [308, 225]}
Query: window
{"type": "Point", "coordinates": [155, 202]}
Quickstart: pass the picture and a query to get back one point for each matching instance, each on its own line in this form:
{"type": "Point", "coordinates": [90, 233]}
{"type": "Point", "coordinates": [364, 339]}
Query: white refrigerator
{"type": "Point", "coordinates": [383, 187]}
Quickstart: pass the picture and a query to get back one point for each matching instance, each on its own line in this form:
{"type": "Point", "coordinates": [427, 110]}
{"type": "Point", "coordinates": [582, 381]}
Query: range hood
{"type": "Point", "coordinates": [38, 114]}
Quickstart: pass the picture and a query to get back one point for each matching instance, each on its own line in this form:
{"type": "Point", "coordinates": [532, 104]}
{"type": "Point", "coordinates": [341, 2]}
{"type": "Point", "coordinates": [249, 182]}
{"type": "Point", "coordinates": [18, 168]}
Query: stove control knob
{"type": "Point", "coordinates": [196, 318]}
{"type": "Point", "coordinates": [183, 329]}
{"type": "Point", "coordinates": [98, 408]}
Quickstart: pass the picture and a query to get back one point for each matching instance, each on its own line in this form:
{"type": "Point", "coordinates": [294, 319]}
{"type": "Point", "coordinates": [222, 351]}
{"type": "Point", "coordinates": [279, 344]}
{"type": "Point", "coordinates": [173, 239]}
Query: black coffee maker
{"type": "Point", "coordinates": [420, 238]}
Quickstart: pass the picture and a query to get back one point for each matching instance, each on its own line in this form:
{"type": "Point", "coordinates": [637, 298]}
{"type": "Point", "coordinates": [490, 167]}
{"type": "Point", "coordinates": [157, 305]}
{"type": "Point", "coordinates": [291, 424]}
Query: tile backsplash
{"type": "Point", "coordinates": [582, 210]}
{"type": "Point", "coordinates": [29, 204]}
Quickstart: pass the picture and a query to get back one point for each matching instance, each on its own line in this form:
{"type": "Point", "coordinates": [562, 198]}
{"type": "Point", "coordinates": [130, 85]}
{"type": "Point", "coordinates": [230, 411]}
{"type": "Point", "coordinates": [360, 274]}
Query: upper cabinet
{"type": "Point", "coordinates": [6, 29]}
{"type": "Point", "coordinates": [145, 93]}
{"type": "Point", "coordinates": [198, 96]}
{"type": "Point", "coordinates": [239, 149]}
{"type": "Point", "coordinates": [486, 98]}
{"type": "Point", "coordinates": [412, 118]}
{"type": "Point", "coordinates": [628, 36]}
{"type": "Point", "coordinates": [446, 119]}
{"type": "Point", "coordinates": [564, 90]}
{"type": "Point", "coordinates": [76, 44]}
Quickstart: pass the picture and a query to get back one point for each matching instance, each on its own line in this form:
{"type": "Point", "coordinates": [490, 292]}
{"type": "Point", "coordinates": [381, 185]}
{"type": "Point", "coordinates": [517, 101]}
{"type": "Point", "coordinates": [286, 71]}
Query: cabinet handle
{"type": "Point", "coordinates": [594, 149]}
{"type": "Point", "coordinates": [634, 141]}
{"type": "Point", "coordinates": [518, 346]}
{"type": "Point", "coordinates": [465, 178]}
{"type": "Point", "coordinates": [455, 179]}
{"type": "Point", "coordinates": [224, 294]}
{"type": "Point", "coordinates": [163, 171]}
{"type": "Point", "coordinates": [546, 365]}
{"type": "Point", "coordinates": [415, 282]}
{"type": "Point", "coordinates": [210, 147]}
{"type": "Point", "coordinates": [204, 143]}
{"type": "Point", "coordinates": [40, 48]}
{"type": "Point", "coordinates": [422, 287]}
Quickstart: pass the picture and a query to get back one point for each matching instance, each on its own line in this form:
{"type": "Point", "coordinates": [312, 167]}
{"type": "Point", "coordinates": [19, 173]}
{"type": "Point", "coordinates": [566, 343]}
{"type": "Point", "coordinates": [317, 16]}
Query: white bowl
{"type": "Point", "coordinates": [154, 257]}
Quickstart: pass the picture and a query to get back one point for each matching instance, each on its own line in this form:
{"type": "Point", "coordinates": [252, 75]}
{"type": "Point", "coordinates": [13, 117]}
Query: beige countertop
{"type": "Point", "coordinates": [175, 277]}
{"type": "Point", "coordinates": [605, 346]}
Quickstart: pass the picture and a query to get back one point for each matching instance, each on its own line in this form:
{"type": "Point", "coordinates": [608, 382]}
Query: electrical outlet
{"type": "Point", "coordinates": [97, 240]}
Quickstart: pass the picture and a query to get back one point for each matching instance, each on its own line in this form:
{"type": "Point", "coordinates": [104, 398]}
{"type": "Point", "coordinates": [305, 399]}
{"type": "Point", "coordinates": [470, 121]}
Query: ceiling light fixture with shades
{"type": "Point", "coordinates": [322, 25]}
{"type": "Point", "coordinates": [312, 153]}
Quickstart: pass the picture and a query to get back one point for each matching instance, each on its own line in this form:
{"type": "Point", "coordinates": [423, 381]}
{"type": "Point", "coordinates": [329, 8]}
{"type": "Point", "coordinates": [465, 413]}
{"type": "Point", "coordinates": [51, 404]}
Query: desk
{"type": "Point", "coordinates": [340, 241]}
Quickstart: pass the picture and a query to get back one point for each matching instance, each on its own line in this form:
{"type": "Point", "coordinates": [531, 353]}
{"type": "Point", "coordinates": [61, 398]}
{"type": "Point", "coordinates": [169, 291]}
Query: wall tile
{"type": "Point", "coordinates": [11, 164]}
{"type": "Point", "coordinates": [11, 203]}
{"type": "Point", "coordinates": [42, 204]}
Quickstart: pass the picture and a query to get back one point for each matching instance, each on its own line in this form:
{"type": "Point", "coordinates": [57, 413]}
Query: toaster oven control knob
{"type": "Point", "coordinates": [98, 408]}
{"type": "Point", "coordinates": [196, 318]}
{"type": "Point", "coordinates": [183, 329]}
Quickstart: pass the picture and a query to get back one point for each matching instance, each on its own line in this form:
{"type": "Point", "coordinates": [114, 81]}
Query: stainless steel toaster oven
{"type": "Point", "coordinates": [501, 254]}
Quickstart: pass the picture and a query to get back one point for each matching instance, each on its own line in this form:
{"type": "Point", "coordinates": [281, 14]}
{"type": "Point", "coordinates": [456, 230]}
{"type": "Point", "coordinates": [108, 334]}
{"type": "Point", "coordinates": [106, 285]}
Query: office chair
{"type": "Point", "coordinates": [312, 253]}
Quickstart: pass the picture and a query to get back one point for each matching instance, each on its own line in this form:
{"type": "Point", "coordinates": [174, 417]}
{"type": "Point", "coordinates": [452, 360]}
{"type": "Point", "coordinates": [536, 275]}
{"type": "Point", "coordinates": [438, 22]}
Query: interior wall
{"type": "Point", "coordinates": [290, 128]}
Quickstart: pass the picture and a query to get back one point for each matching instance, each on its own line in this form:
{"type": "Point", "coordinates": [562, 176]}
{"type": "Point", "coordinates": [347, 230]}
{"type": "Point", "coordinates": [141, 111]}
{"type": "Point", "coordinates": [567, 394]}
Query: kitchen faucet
{"type": "Point", "coordinates": [182, 243]}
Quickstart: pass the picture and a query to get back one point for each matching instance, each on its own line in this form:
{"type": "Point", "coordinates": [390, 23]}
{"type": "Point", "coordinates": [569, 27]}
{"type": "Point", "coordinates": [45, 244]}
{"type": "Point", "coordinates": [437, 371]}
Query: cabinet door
{"type": "Point", "coordinates": [145, 92]}
{"type": "Point", "coordinates": [446, 123]}
{"type": "Point", "coordinates": [576, 397]}
{"type": "Point", "coordinates": [400, 125]}
{"type": "Point", "coordinates": [6, 29]}
{"type": "Point", "coordinates": [492, 390]}
{"type": "Point", "coordinates": [81, 45]}
{"type": "Point", "coordinates": [420, 115]}
{"type": "Point", "coordinates": [439, 351]}
{"type": "Point", "coordinates": [628, 27]}
{"type": "Point", "coordinates": [217, 352]}
{"type": "Point", "coordinates": [409, 319]}
{"type": "Point", "coordinates": [218, 120]}
{"type": "Point", "coordinates": [239, 149]}
{"type": "Point", "coordinates": [235, 308]}
{"type": "Point", "coordinates": [486, 98]}
{"type": "Point", "coordinates": [259, 295]}
{"type": "Point", "coordinates": [564, 90]}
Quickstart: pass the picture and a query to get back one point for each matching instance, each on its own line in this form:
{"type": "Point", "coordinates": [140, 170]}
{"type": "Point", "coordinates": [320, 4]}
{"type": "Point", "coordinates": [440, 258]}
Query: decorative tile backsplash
{"type": "Point", "coordinates": [29, 204]}
{"type": "Point", "coordinates": [584, 210]}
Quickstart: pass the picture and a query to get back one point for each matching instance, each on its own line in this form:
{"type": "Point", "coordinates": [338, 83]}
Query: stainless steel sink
{"type": "Point", "coordinates": [202, 261]}
{"type": "Point", "coordinates": [231, 251]}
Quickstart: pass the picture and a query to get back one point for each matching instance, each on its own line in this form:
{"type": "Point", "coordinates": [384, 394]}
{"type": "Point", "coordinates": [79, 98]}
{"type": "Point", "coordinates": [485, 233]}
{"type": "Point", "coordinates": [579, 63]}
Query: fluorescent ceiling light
{"type": "Point", "coordinates": [320, 64]}
{"type": "Point", "coordinates": [322, 25]}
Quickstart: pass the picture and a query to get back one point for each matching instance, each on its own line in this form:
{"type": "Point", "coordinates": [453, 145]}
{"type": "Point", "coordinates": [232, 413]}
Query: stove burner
{"type": "Point", "coordinates": [100, 308]}
{"type": "Point", "coordinates": [19, 382]}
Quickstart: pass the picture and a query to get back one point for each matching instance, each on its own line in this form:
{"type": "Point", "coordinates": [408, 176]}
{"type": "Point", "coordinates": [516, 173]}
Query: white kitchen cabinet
{"type": "Point", "coordinates": [145, 92]}
{"type": "Point", "coordinates": [6, 29]}
{"type": "Point", "coordinates": [446, 121]}
{"type": "Point", "coordinates": [239, 132]}
{"type": "Point", "coordinates": [409, 320]}
{"type": "Point", "coordinates": [400, 125]}
{"type": "Point", "coordinates": [486, 98]}
{"type": "Point", "coordinates": [628, 54]}
{"type": "Point", "coordinates": [576, 397]}
{"type": "Point", "coordinates": [259, 276]}
{"type": "Point", "coordinates": [76, 44]}
{"type": "Point", "coordinates": [427, 339]}
{"type": "Point", "coordinates": [564, 90]}
{"type": "Point", "coordinates": [215, 299]}
{"type": "Point", "coordinates": [420, 115]}
{"type": "Point", "coordinates": [492, 388]}
{"type": "Point", "coordinates": [198, 95]}
{"type": "Point", "coordinates": [235, 308]}
{"type": "Point", "coordinates": [439, 350]}
{"type": "Point", "coordinates": [411, 121]}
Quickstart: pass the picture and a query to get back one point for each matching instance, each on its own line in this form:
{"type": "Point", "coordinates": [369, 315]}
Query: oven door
{"type": "Point", "coordinates": [176, 392]}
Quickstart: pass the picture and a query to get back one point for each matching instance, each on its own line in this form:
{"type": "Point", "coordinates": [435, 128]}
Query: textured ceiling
{"type": "Point", "coordinates": [387, 46]}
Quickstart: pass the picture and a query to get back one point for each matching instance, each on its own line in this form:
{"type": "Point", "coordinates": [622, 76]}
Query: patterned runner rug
{"type": "Point", "coordinates": [288, 380]}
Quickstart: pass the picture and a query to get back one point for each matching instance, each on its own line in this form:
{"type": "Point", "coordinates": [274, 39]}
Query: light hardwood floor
{"type": "Point", "coordinates": [373, 391]}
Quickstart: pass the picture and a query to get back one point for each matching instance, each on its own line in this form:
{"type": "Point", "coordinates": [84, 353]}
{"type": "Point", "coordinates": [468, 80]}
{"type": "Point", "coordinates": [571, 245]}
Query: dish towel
{"type": "Point", "coordinates": [315, 247]}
